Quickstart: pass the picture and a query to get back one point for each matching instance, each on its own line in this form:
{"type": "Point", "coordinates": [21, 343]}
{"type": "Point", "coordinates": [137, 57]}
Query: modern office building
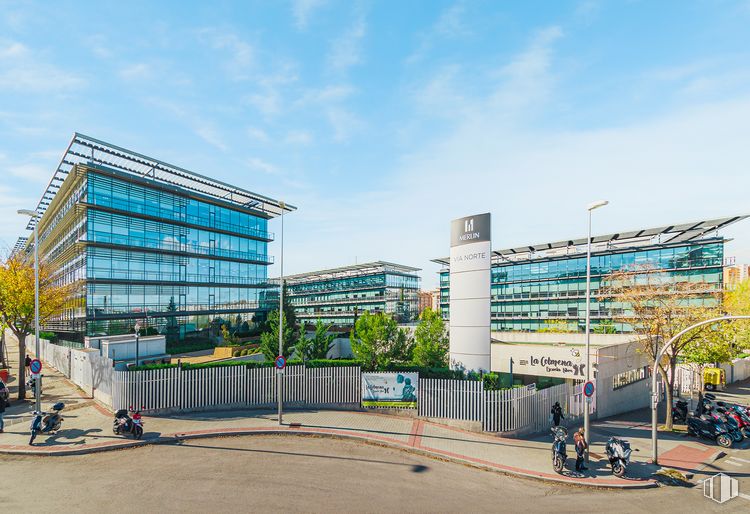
{"type": "Point", "coordinates": [735, 274]}
{"type": "Point", "coordinates": [151, 242]}
{"type": "Point", "coordinates": [540, 286]}
{"type": "Point", "coordinates": [339, 295]}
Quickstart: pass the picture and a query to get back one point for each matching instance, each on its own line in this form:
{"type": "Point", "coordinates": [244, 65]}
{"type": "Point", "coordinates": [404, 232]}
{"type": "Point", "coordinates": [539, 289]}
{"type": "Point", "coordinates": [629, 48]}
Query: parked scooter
{"type": "Point", "coordinates": [31, 385]}
{"type": "Point", "coordinates": [618, 453]}
{"type": "Point", "coordinates": [46, 423]}
{"type": "Point", "coordinates": [733, 422]}
{"type": "Point", "coordinates": [707, 427]}
{"type": "Point", "coordinates": [124, 424]}
{"type": "Point", "coordinates": [559, 453]}
{"type": "Point", "coordinates": [680, 411]}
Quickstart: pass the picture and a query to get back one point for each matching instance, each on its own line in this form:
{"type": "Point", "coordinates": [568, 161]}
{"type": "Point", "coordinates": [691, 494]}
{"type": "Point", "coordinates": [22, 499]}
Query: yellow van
{"type": "Point", "coordinates": [714, 378]}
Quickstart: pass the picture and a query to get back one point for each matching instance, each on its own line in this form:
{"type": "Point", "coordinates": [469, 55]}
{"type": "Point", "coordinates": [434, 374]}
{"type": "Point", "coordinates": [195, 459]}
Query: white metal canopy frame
{"type": "Point", "coordinates": [87, 150]}
{"type": "Point", "coordinates": [654, 394]}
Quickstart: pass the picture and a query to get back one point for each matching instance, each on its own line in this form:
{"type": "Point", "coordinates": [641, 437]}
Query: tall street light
{"type": "Point", "coordinates": [36, 217]}
{"type": "Point", "coordinates": [279, 372]}
{"type": "Point", "coordinates": [586, 414]}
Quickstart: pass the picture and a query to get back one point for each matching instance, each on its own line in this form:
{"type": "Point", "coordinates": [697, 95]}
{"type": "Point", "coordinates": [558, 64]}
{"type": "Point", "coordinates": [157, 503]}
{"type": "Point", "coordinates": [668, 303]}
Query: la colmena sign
{"type": "Point", "coordinates": [540, 360]}
{"type": "Point", "coordinates": [470, 260]}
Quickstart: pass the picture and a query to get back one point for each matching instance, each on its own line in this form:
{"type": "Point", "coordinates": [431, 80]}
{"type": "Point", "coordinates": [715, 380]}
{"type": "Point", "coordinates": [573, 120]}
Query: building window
{"type": "Point", "coordinates": [630, 377]}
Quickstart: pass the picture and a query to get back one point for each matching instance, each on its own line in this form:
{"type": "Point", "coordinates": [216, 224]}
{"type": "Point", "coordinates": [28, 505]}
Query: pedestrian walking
{"type": "Point", "coordinates": [2, 413]}
{"type": "Point", "coordinates": [580, 440]}
{"type": "Point", "coordinates": [27, 362]}
{"type": "Point", "coordinates": [556, 414]}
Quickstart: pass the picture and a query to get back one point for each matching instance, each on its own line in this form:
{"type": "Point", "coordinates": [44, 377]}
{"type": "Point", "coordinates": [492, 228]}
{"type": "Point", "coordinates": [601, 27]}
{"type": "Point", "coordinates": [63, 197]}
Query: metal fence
{"type": "Point", "coordinates": [451, 399]}
{"type": "Point", "coordinates": [527, 410]}
{"type": "Point", "coordinates": [234, 386]}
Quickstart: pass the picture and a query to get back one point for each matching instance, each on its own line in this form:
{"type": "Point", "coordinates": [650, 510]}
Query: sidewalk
{"type": "Point", "coordinates": [87, 427]}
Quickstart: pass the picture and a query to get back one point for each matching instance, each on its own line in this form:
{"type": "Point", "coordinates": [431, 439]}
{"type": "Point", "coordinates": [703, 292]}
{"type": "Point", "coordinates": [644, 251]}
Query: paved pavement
{"type": "Point", "coordinates": [87, 428]}
{"type": "Point", "coordinates": [304, 474]}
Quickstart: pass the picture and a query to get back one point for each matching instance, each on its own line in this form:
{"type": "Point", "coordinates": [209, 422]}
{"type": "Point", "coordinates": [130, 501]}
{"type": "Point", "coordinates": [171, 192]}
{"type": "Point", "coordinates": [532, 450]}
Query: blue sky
{"type": "Point", "coordinates": [383, 120]}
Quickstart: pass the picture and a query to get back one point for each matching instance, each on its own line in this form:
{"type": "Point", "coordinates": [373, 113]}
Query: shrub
{"type": "Point", "coordinates": [243, 352]}
{"type": "Point", "coordinates": [332, 363]}
{"type": "Point", "coordinates": [236, 353]}
{"type": "Point", "coordinates": [49, 336]}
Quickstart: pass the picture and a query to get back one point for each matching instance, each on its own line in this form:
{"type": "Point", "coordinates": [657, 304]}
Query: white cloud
{"type": "Point", "coordinates": [254, 163]}
{"type": "Point", "coordinates": [344, 124]}
{"type": "Point", "coordinates": [137, 71]}
{"type": "Point", "coordinates": [31, 172]}
{"type": "Point", "coordinates": [240, 63]}
{"type": "Point", "coordinates": [346, 51]}
{"type": "Point", "coordinates": [22, 70]}
{"type": "Point", "coordinates": [451, 23]}
{"type": "Point", "coordinates": [326, 95]}
{"type": "Point", "coordinates": [257, 134]}
{"type": "Point", "coordinates": [201, 126]}
{"type": "Point", "coordinates": [298, 137]}
{"type": "Point", "coordinates": [303, 9]}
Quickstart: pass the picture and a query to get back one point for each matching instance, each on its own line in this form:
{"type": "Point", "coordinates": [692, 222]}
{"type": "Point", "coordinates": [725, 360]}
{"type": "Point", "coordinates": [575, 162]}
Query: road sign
{"type": "Point", "coordinates": [588, 389]}
{"type": "Point", "coordinates": [35, 366]}
{"type": "Point", "coordinates": [280, 362]}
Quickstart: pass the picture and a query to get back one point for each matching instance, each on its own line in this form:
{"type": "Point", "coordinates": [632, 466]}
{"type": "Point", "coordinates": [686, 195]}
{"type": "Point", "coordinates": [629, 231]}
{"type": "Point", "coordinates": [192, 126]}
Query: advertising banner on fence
{"type": "Point", "coordinates": [390, 390]}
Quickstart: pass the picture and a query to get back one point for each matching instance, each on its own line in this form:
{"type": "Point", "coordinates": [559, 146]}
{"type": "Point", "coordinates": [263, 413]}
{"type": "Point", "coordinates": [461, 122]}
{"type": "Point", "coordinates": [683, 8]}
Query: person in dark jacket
{"type": "Point", "coordinates": [2, 413]}
{"type": "Point", "coordinates": [557, 414]}
{"type": "Point", "coordinates": [580, 440]}
{"type": "Point", "coordinates": [27, 363]}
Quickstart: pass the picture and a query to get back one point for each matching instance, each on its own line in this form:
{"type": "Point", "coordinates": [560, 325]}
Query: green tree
{"type": "Point", "coordinates": [658, 307]}
{"type": "Point", "coordinates": [605, 326]}
{"type": "Point", "coordinates": [431, 341]}
{"type": "Point", "coordinates": [269, 340]}
{"type": "Point", "coordinates": [318, 346]}
{"type": "Point", "coordinates": [377, 341]}
{"type": "Point", "coordinates": [557, 326]}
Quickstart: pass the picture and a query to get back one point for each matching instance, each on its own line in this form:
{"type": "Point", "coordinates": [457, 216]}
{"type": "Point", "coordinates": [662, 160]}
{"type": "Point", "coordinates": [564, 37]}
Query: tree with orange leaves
{"type": "Point", "coordinates": [17, 302]}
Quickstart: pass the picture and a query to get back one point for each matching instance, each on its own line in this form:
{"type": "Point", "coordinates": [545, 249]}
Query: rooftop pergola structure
{"type": "Point", "coordinates": [87, 150]}
{"type": "Point", "coordinates": [355, 270]}
{"type": "Point", "coordinates": [632, 239]}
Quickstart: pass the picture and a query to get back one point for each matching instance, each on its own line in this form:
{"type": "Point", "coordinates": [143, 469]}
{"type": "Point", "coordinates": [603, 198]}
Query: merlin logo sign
{"type": "Point", "coordinates": [471, 229]}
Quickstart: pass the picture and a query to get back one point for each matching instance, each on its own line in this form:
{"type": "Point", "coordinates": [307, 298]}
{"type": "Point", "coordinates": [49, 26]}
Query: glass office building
{"type": "Point", "coordinates": [151, 242]}
{"type": "Point", "coordinates": [337, 296]}
{"type": "Point", "coordinates": [543, 286]}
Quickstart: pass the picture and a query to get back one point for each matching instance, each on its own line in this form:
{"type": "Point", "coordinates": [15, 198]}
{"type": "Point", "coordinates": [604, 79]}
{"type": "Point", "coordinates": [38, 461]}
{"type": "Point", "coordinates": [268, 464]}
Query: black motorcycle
{"type": "Point", "coordinates": [46, 423]}
{"type": "Point", "coordinates": [707, 427]}
{"type": "Point", "coordinates": [559, 454]}
{"type": "Point", "coordinates": [680, 411]}
{"type": "Point", "coordinates": [124, 424]}
{"type": "Point", "coordinates": [618, 452]}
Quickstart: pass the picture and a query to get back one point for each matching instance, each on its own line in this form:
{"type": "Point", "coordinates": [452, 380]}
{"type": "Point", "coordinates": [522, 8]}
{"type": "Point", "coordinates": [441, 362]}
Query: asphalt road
{"type": "Point", "coordinates": [296, 474]}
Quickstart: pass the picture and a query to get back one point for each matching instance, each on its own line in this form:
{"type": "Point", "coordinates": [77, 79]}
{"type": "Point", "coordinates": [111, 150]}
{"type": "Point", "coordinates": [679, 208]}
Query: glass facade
{"type": "Point", "coordinates": [527, 295]}
{"type": "Point", "coordinates": [140, 250]}
{"type": "Point", "coordinates": [338, 297]}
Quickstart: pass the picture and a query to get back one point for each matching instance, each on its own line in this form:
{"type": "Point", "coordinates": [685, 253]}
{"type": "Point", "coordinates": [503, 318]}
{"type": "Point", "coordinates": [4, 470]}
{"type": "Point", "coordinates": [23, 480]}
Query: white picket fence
{"type": "Point", "coordinates": [234, 386]}
{"type": "Point", "coordinates": [521, 410]}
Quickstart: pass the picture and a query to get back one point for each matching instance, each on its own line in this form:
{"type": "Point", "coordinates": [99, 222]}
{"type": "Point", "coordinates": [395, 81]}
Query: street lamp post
{"type": "Point", "coordinates": [587, 408]}
{"type": "Point", "coordinates": [279, 372]}
{"type": "Point", "coordinates": [137, 329]}
{"type": "Point", "coordinates": [37, 383]}
{"type": "Point", "coordinates": [654, 394]}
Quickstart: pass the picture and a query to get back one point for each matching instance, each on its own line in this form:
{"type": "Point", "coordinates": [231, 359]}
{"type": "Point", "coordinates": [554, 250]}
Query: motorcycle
{"type": "Point", "coordinates": [680, 411]}
{"type": "Point", "coordinates": [707, 427]}
{"type": "Point", "coordinates": [46, 423]}
{"type": "Point", "coordinates": [124, 424]}
{"type": "Point", "coordinates": [733, 421]}
{"type": "Point", "coordinates": [31, 386]}
{"type": "Point", "coordinates": [618, 452]}
{"type": "Point", "coordinates": [559, 454]}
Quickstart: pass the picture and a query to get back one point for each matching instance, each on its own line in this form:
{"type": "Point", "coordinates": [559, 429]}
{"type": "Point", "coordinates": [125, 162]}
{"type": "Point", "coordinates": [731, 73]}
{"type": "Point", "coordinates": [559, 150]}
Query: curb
{"type": "Point", "coordinates": [177, 437]}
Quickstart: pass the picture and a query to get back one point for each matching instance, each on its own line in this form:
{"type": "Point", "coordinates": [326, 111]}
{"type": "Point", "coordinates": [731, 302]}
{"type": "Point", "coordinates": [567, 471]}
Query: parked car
{"type": "Point", "coordinates": [4, 392]}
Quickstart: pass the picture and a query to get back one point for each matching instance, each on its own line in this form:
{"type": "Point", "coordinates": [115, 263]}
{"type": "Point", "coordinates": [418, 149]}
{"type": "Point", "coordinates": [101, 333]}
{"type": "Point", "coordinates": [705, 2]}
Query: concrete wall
{"type": "Point", "coordinates": [571, 338]}
{"type": "Point", "coordinates": [124, 349]}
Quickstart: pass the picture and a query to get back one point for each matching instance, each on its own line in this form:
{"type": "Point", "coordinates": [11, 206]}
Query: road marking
{"type": "Point", "coordinates": [739, 459]}
{"type": "Point", "coordinates": [732, 463]}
